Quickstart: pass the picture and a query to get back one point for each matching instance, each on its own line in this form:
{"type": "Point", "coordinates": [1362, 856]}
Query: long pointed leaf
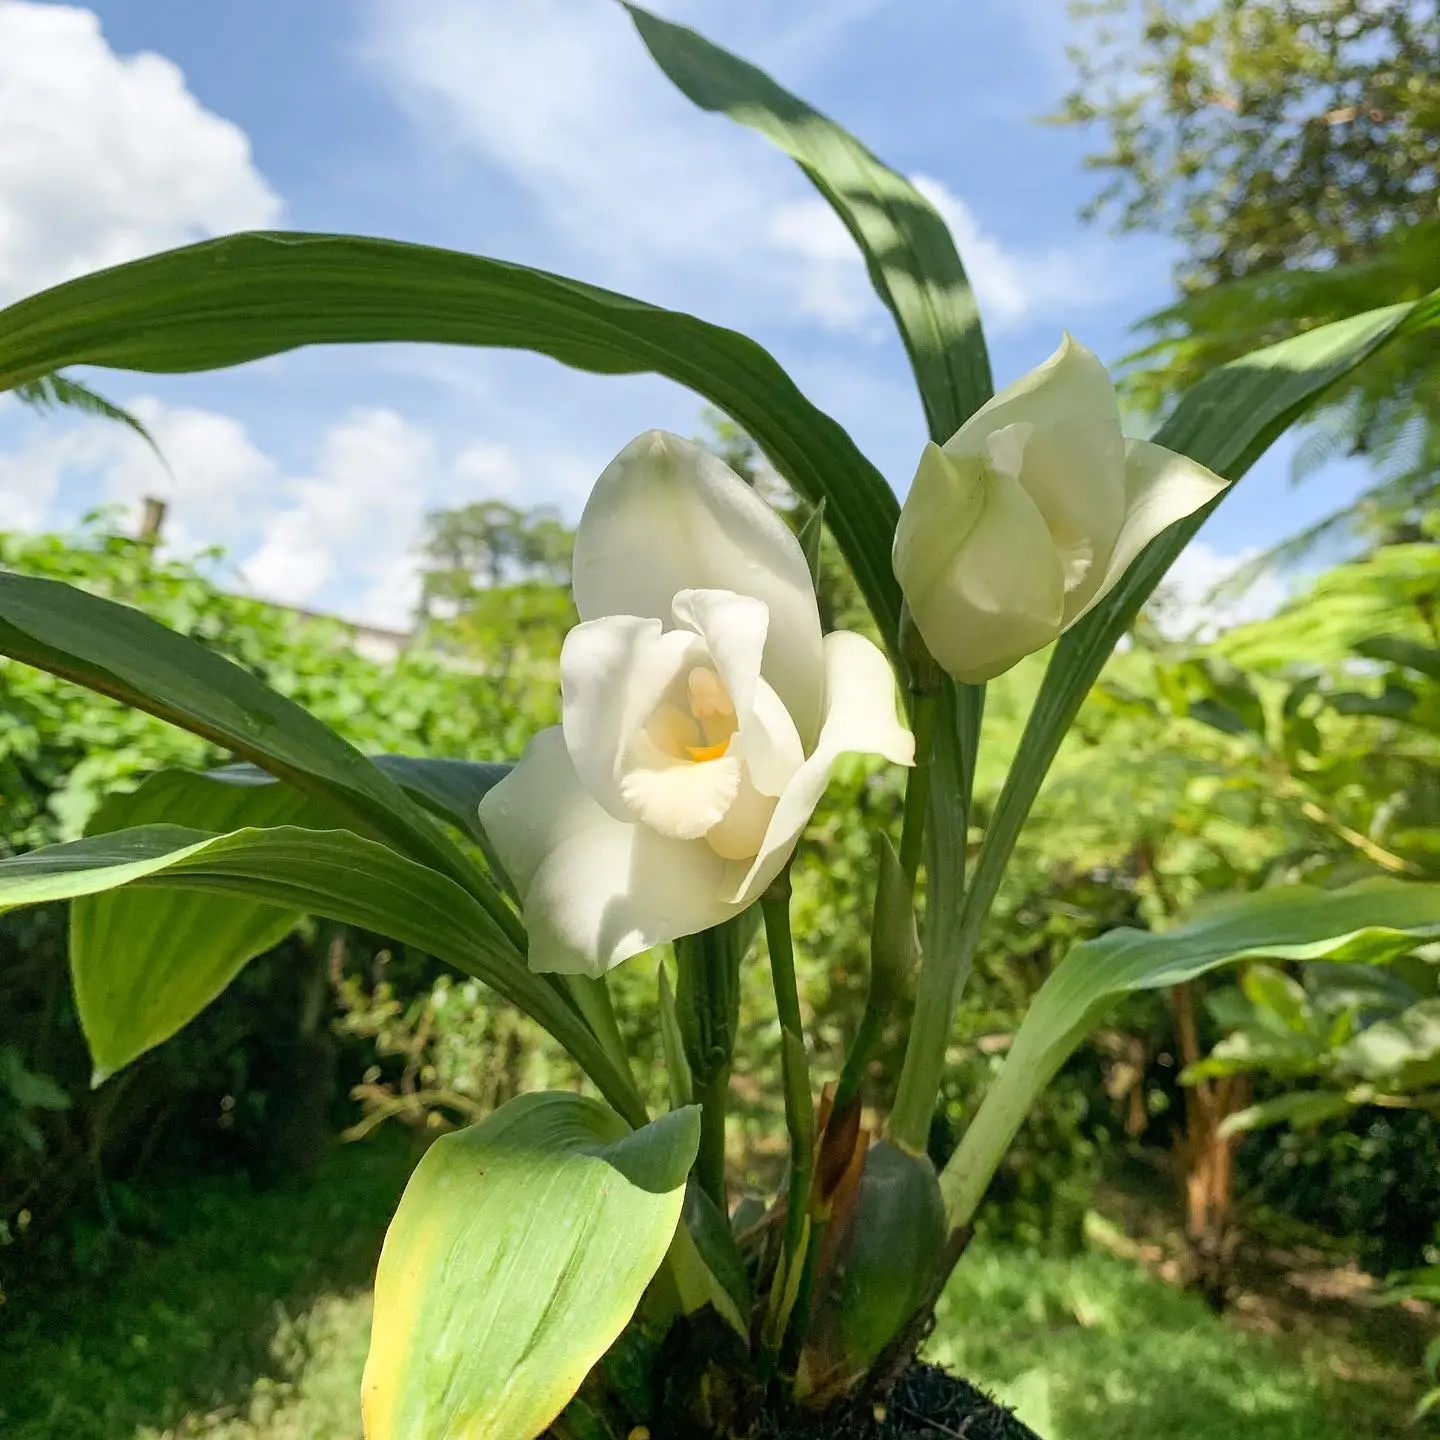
{"type": "Point", "coordinates": [332, 873]}
{"type": "Point", "coordinates": [908, 248]}
{"type": "Point", "coordinates": [158, 957]}
{"type": "Point", "coordinates": [1371, 922]}
{"type": "Point", "coordinates": [451, 790]}
{"type": "Point", "coordinates": [119, 652]}
{"type": "Point", "coordinates": [241, 297]}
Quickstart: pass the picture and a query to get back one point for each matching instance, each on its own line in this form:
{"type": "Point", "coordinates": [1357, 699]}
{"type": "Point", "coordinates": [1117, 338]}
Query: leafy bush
{"type": "Point", "coordinates": [252, 1083]}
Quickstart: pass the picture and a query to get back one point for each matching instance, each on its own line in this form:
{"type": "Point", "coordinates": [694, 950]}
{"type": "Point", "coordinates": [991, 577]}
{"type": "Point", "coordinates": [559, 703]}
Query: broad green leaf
{"type": "Point", "coordinates": [241, 297]}
{"type": "Point", "coordinates": [1278, 995]}
{"type": "Point", "coordinates": [331, 873]}
{"type": "Point", "coordinates": [520, 1250]}
{"type": "Point", "coordinates": [119, 652]}
{"type": "Point", "coordinates": [145, 962]}
{"type": "Point", "coordinates": [190, 945]}
{"type": "Point", "coordinates": [451, 790]}
{"type": "Point", "coordinates": [1401, 1053]}
{"type": "Point", "coordinates": [908, 248]}
{"type": "Point", "coordinates": [1371, 922]}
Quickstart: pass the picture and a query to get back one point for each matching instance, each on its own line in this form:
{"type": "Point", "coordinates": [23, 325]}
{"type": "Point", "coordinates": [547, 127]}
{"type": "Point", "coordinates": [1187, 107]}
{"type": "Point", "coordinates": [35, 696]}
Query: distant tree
{"type": "Point", "coordinates": [1292, 148]}
{"type": "Point", "coordinates": [486, 545]}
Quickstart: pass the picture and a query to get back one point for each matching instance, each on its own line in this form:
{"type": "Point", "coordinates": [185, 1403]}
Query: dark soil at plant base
{"type": "Point", "coordinates": [927, 1403]}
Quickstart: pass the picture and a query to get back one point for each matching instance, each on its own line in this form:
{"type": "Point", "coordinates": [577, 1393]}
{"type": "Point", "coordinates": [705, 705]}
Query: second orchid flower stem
{"type": "Point", "coordinates": [917, 785]}
{"type": "Point", "coordinates": [799, 1105]}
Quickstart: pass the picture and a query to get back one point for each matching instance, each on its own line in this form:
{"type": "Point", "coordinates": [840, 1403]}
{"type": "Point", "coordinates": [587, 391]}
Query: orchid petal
{"type": "Point", "coordinates": [668, 516]}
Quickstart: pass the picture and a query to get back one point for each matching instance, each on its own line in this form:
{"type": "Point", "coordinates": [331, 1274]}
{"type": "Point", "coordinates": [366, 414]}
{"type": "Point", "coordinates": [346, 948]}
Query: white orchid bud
{"type": "Point", "coordinates": [701, 713]}
{"type": "Point", "coordinates": [1030, 513]}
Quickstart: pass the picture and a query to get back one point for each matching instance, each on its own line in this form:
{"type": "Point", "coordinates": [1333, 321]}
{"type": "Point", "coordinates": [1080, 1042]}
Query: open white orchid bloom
{"type": "Point", "coordinates": [1030, 513]}
{"type": "Point", "coordinates": [702, 711]}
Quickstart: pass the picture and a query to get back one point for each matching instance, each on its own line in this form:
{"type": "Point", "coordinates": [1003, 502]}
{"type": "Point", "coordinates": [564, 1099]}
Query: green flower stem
{"type": "Point", "coordinates": [591, 994]}
{"type": "Point", "coordinates": [713, 1097]}
{"type": "Point", "coordinates": [954, 915]}
{"type": "Point", "coordinates": [917, 785]}
{"type": "Point", "coordinates": [799, 1106]}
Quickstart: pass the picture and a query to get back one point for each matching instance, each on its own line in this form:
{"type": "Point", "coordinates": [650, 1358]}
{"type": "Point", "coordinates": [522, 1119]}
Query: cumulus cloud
{"type": "Point", "coordinates": [561, 96]}
{"type": "Point", "coordinates": [1013, 286]}
{"type": "Point", "coordinates": [106, 157]}
{"type": "Point", "coordinates": [340, 535]}
{"type": "Point", "coordinates": [1183, 606]}
{"type": "Point", "coordinates": [357, 516]}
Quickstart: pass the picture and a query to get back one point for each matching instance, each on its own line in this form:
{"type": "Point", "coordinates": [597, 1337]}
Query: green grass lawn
{"type": "Point", "coordinates": [252, 1322]}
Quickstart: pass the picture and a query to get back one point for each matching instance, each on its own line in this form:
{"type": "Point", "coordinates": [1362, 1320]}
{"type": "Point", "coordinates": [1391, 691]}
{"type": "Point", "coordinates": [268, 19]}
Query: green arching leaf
{"type": "Point", "coordinates": [144, 961]}
{"type": "Point", "coordinates": [908, 248]}
{"type": "Point", "coordinates": [331, 873]}
{"type": "Point", "coordinates": [1370, 922]}
{"type": "Point", "coordinates": [520, 1250]}
{"type": "Point", "coordinates": [241, 297]}
{"type": "Point", "coordinates": [119, 652]}
{"type": "Point", "coordinates": [451, 790]}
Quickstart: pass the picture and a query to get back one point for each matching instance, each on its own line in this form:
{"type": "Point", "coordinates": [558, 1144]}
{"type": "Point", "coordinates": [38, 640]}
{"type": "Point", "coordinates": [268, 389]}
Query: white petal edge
{"type": "Point", "coordinates": [595, 890]}
{"type": "Point", "coordinates": [1074, 471]}
{"type": "Point", "coordinates": [1071, 385]}
{"type": "Point", "coordinates": [613, 673]}
{"type": "Point", "coordinates": [1161, 487]}
{"type": "Point", "coordinates": [733, 628]}
{"type": "Point", "coordinates": [861, 716]}
{"type": "Point", "coordinates": [769, 743]}
{"type": "Point", "coordinates": [539, 803]}
{"type": "Point", "coordinates": [1000, 593]}
{"type": "Point", "coordinates": [667, 516]}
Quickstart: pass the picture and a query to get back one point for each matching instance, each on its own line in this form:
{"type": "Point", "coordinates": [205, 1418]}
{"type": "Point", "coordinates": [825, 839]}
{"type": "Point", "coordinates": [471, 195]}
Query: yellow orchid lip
{"type": "Point", "coordinates": [708, 752]}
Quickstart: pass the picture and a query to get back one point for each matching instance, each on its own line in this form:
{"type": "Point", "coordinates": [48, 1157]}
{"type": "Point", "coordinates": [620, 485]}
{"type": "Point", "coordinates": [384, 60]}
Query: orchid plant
{"type": "Point", "coordinates": [574, 1264]}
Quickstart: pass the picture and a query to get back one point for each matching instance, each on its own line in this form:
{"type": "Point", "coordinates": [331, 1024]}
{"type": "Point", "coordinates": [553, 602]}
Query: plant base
{"type": "Point", "coordinates": [926, 1403]}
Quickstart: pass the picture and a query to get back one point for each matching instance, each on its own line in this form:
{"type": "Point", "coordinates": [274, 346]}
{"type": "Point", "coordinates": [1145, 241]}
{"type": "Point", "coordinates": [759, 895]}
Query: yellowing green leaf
{"type": "Point", "coordinates": [519, 1252]}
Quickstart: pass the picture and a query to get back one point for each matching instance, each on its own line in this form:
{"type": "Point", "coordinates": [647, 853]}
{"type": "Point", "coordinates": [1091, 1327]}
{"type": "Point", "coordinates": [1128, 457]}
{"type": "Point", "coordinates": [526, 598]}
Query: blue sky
{"type": "Point", "coordinates": [538, 132]}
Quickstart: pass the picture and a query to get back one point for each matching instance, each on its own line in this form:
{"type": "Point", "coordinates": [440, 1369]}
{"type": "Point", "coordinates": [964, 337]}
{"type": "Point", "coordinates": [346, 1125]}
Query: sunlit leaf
{"type": "Point", "coordinates": [1370, 922]}
{"type": "Point", "coordinates": [518, 1254]}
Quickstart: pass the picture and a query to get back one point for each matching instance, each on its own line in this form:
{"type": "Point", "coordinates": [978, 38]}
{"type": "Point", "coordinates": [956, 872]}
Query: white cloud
{"type": "Point", "coordinates": [653, 195]}
{"type": "Point", "coordinates": [832, 286]}
{"type": "Point", "coordinates": [106, 157]}
{"type": "Point", "coordinates": [1183, 607]}
{"type": "Point", "coordinates": [1011, 285]}
{"type": "Point", "coordinates": [341, 537]}
{"type": "Point", "coordinates": [211, 479]}
{"type": "Point", "coordinates": [561, 96]}
{"type": "Point", "coordinates": [490, 470]}
{"type": "Point", "coordinates": [358, 515]}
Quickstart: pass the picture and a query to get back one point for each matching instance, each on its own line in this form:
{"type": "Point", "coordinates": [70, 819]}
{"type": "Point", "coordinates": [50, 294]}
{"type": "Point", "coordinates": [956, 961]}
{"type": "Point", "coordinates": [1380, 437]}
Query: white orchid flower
{"type": "Point", "coordinates": [702, 712]}
{"type": "Point", "coordinates": [1030, 513]}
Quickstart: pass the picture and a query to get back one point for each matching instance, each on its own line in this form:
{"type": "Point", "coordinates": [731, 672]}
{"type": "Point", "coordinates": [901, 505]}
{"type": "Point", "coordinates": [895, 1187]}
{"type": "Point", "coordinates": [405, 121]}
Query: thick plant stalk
{"type": "Point", "coordinates": [707, 1008]}
{"type": "Point", "coordinates": [799, 1105]}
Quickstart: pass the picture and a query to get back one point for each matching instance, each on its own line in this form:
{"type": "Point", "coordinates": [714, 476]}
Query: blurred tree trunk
{"type": "Point", "coordinates": [1205, 1158]}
